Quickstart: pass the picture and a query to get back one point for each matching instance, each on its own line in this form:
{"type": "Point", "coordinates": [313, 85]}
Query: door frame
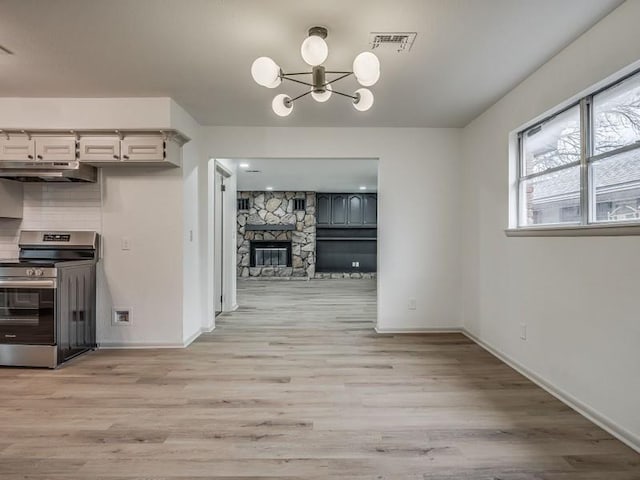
{"type": "Point", "coordinates": [224, 174]}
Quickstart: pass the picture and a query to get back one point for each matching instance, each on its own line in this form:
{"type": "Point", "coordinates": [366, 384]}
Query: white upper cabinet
{"type": "Point", "coordinates": [148, 150]}
{"type": "Point", "coordinates": [55, 149]}
{"type": "Point", "coordinates": [38, 149]}
{"type": "Point", "coordinates": [17, 149]}
{"type": "Point", "coordinates": [143, 149]}
{"type": "Point", "coordinates": [100, 149]}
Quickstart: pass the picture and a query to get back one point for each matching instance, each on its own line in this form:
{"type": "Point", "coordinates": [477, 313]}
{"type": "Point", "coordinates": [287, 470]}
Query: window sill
{"type": "Point", "coordinates": [575, 231]}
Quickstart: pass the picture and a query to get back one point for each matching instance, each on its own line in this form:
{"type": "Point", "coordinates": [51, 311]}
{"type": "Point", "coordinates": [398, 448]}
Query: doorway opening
{"type": "Point", "coordinates": [310, 220]}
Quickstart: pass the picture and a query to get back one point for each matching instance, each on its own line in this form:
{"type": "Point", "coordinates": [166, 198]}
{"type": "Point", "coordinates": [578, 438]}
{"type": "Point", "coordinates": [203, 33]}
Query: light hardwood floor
{"type": "Point", "coordinates": [296, 384]}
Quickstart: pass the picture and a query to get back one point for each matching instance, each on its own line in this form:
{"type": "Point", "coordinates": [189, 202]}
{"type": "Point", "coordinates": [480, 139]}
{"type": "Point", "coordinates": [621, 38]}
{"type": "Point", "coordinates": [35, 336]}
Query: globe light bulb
{"type": "Point", "coordinates": [324, 96]}
{"type": "Point", "coordinates": [366, 68]}
{"type": "Point", "coordinates": [364, 101]}
{"type": "Point", "coordinates": [368, 82]}
{"type": "Point", "coordinates": [266, 72]}
{"type": "Point", "coordinates": [282, 105]}
{"type": "Point", "coordinates": [314, 50]}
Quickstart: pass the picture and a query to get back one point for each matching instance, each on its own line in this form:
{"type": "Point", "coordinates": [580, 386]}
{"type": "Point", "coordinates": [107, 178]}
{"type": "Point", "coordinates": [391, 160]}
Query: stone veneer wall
{"type": "Point", "coordinates": [276, 208]}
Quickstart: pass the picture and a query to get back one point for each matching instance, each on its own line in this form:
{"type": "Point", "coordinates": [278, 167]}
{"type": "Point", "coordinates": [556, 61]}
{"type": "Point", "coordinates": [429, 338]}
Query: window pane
{"type": "Point", "coordinates": [617, 185]}
{"type": "Point", "coordinates": [553, 143]}
{"type": "Point", "coordinates": [551, 198]}
{"type": "Point", "coordinates": [616, 116]}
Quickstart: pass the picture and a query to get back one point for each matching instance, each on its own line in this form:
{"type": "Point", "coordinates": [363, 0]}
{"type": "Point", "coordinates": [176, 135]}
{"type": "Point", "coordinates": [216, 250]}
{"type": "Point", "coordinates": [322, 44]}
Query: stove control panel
{"type": "Point", "coordinates": [56, 237]}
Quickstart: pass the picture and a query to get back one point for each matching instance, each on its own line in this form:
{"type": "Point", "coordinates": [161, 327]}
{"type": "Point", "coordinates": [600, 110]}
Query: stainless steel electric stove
{"type": "Point", "coordinates": [48, 299]}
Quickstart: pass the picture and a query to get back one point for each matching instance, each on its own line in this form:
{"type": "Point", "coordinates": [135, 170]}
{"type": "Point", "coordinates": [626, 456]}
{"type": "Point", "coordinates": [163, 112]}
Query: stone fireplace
{"type": "Point", "coordinates": [276, 234]}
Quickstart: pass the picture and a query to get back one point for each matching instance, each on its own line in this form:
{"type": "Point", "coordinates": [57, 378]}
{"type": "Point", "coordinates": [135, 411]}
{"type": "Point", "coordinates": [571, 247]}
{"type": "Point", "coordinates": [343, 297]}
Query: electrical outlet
{"type": "Point", "coordinates": [121, 316]}
{"type": "Point", "coordinates": [523, 331]}
{"type": "Point", "coordinates": [125, 243]}
{"type": "Point", "coordinates": [412, 304]}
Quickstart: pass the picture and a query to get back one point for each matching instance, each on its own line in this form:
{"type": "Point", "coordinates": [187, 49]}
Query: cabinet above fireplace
{"type": "Point", "coordinates": [347, 210]}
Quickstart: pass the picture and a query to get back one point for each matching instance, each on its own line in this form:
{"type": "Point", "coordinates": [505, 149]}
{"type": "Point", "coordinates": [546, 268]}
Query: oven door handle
{"type": "Point", "coordinates": [49, 283]}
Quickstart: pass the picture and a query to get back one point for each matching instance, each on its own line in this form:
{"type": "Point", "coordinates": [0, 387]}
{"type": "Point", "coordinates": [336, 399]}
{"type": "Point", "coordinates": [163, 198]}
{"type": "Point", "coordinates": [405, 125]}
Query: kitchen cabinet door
{"type": "Point", "coordinates": [143, 149]}
{"type": "Point", "coordinates": [323, 213]}
{"type": "Point", "coordinates": [17, 149]}
{"type": "Point", "coordinates": [338, 209]}
{"type": "Point", "coordinates": [370, 209]}
{"type": "Point", "coordinates": [55, 149]}
{"type": "Point", "coordinates": [354, 210]}
{"type": "Point", "coordinates": [99, 149]}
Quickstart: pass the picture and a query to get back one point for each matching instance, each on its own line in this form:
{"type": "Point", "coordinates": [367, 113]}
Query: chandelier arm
{"type": "Point", "coordinates": [353, 97]}
{"type": "Point", "coordinates": [336, 79]}
{"type": "Point", "coordinates": [298, 81]}
{"type": "Point", "coordinates": [296, 73]}
{"type": "Point", "coordinates": [339, 73]}
{"type": "Point", "coordinates": [300, 96]}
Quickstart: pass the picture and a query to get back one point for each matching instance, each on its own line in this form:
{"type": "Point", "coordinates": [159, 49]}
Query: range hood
{"type": "Point", "coordinates": [48, 172]}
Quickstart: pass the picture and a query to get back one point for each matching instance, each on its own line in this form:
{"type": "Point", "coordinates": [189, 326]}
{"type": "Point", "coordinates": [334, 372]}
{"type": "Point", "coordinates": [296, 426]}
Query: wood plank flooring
{"type": "Point", "coordinates": [296, 385]}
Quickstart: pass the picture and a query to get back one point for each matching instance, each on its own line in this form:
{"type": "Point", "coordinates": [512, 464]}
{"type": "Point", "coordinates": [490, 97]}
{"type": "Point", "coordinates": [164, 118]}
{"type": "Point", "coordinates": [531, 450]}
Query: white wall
{"type": "Point", "coordinates": [577, 296]}
{"type": "Point", "coordinates": [419, 207]}
{"type": "Point", "coordinates": [194, 213]}
{"type": "Point", "coordinates": [146, 206]}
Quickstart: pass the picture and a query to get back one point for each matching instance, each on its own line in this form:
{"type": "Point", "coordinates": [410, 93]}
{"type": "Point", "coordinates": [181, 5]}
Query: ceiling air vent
{"type": "Point", "coordinates": [5, 51]}
{"type": "Point", "coordinates": [398, 41]}
{"type": "Point", "coordinates": [253, 171]}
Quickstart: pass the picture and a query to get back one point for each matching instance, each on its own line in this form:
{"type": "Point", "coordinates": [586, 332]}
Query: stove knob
{"type": "Point", "coordinates": [39, 272]}
{"type": "Point", "coordinates": [30, 272]}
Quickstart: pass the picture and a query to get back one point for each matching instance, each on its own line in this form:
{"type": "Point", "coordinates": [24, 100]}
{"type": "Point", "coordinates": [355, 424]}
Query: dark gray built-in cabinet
{"type": "Point", "coordinates": [346, 237]}
{"type": "Point", "coordinates": [348, 209]}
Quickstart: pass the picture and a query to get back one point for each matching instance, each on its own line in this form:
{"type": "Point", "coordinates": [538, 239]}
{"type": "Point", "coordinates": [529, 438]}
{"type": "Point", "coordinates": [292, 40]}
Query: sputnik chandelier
{"type": "Point", "coordinates": [314, 51]}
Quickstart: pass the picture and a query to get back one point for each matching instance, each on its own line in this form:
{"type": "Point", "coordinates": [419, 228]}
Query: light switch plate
{"type": "Point", "coordinates": [523, 331]}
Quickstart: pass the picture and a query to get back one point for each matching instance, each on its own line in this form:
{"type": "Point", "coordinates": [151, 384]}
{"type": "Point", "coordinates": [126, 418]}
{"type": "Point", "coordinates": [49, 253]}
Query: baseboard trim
{"type": "Point", "coordinates": [417, 330]}
{"type": "Point", "coordinates": [143, 345]}
{"type": "Point", "coordinates": [208, 329]}
{"type": "Point", "coordinates": [586, 411]}
{"type": "Point", "coordinates": [136, 345]}
{"type": "Point", "coordinates": [190, 340]}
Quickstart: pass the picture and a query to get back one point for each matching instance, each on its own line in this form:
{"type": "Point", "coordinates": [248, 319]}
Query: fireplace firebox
{"type": "Point", "coordinates": [270, 253]}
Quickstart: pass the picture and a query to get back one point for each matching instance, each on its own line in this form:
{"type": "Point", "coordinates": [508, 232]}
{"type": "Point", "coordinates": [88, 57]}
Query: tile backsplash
{"type": "Point", "coordinates": [53, 206]}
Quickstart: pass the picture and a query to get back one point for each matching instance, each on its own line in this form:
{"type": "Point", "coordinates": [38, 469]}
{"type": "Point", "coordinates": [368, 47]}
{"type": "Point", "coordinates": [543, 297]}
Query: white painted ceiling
{"type": "Point", "coordinates": [310, 175]}
{"type": "Point", "coordinates": [468, 53]}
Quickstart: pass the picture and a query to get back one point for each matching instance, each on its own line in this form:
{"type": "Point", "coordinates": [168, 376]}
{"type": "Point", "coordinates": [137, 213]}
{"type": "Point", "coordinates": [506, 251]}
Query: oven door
{"type": "Point", "coordinates": [27, 311]}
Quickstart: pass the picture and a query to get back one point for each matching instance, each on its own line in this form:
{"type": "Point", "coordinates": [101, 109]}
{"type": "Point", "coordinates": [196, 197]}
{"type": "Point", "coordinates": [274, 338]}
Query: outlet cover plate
{"type": "Point", "coordinates": [120, 316]}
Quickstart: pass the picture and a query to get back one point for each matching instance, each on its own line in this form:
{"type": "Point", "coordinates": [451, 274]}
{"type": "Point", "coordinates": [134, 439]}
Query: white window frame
{"type": "Point", "coordinates": [587, 225]}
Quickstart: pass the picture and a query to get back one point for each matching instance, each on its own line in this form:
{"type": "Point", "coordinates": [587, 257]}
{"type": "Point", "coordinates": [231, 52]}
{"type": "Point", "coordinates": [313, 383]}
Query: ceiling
{"type": "Point", "coordinates": [308, 175]}
{"type": "Point", "coordinates": [468, 53]}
